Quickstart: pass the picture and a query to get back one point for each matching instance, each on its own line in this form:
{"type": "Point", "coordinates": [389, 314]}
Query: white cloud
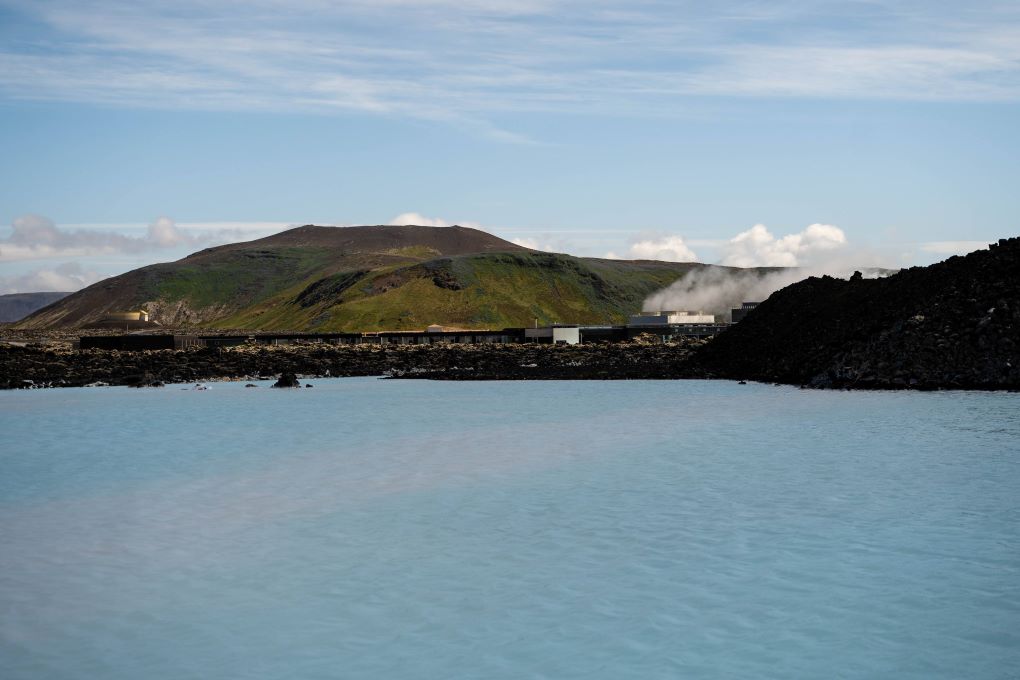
{"type": "Point", "coordinates": [665, 248]}
{"type": "Point", "coordinates": [757, 247]}
{"type": "Point", "coordinates": [163, 233]}
{"type": "Point", "coordinates": [67, 277]}
{"type": "Point", "coordinates": [417, 219]}
{"type": "Point", "coordinates": [669, 248]}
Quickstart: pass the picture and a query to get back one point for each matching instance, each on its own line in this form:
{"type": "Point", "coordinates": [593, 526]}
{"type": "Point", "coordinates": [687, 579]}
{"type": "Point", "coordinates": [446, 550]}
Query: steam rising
{"type": "Point", "coordinates": [717, 290]}
{"type": "Point", "coordinates": [818, 250]}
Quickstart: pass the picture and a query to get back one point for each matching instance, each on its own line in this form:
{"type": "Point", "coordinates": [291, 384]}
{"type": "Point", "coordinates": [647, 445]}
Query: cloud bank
{"type": "Point", "coordinates": [66, 277]}
{"type": "Point", "coordinates": [71, 254]}
{"type": "Point", "coordinates": [34, 237]}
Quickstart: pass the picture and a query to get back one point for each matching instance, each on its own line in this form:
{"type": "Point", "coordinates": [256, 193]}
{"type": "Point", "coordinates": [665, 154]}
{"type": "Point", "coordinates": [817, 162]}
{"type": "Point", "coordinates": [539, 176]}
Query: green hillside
{"type": "Point", "coordinates": [371, 278]}
{"type": "Point", "coordinates": [479, 291]}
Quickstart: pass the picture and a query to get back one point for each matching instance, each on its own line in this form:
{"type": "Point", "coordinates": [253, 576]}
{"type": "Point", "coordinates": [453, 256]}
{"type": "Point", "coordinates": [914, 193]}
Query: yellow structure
{"type": "Point", "coordinates": [140, 315]}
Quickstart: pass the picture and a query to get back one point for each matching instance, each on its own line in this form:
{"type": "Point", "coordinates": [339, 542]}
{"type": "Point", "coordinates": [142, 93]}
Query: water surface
{"type": "Point", "coordinates": [409, 529]}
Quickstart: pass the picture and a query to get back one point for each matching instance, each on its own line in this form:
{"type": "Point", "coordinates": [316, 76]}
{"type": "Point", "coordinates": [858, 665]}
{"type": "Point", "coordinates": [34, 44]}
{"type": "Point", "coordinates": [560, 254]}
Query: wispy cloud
{"type": "Point", "coordinates": [66, 277]}
{"type": "Point", "coordinates": [464, 63]}
{"type": "Point", "coordinates": [34, 237]}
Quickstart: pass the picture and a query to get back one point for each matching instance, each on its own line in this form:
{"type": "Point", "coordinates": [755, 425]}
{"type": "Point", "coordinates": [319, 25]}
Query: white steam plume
{"type": "Point", "coordinates": [817, 250]}
{"type": "Point", "coordinates": [716, 290]}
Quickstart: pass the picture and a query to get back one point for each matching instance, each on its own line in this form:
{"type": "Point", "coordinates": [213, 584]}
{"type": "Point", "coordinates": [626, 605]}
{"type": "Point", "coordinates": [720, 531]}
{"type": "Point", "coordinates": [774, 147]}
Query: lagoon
{"type": "Point", "coordinates": [374, 528]}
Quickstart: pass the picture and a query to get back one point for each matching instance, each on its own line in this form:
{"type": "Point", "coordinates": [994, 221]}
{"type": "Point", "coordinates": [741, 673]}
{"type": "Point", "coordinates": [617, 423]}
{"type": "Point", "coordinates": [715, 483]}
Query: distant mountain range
{"type": "Point", "coordinates": [315, 278]}
{"type": "Point", "coordinates": [17, 306]}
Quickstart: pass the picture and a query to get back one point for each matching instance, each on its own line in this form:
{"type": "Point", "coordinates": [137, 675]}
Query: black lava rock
{"type": "Point", "coordinates": [287, 380]}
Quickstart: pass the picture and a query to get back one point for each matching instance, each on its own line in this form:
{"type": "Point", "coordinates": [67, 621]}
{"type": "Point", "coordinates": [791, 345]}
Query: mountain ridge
{"type": "Point", "coordinates": [16, 306]}
{"type": "Point", "coordinates": [371, 278]}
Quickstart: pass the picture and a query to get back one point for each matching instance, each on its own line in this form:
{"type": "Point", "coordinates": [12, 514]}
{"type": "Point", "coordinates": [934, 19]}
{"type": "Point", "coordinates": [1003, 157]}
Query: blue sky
{"type": "Point", "coordinates": [136, 132]}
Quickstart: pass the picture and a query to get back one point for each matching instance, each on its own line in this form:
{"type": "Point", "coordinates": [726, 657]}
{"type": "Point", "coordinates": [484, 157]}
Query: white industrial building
{"type": "Point", "coordinates": [557, 335]}
{"type": "Point", "coordinates": [667, 318]}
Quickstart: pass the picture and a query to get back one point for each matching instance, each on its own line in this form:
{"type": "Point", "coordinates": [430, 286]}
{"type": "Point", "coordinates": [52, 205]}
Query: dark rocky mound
{"type": "Point", "coordinates": [287, 380]}
{"type": "Point", "coordinates": [955, 324]}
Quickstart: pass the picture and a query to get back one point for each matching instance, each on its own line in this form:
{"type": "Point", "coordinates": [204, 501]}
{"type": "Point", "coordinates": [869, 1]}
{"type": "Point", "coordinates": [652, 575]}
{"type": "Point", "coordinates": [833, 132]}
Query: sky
{"type": "Point", "coordinates": [780, 132]}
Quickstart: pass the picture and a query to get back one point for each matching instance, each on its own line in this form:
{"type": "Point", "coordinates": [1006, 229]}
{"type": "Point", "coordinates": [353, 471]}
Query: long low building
{"type": "Point", "coordinates": [434, 337]}
{"type": "Point", "coordinates": [570, 334]}
{"type": "Point", "coordinates": [137, 342]}
{"type": "Point", "coordinates": [281, 339]}
{"type": "Point", "coordinates": [669, 318]}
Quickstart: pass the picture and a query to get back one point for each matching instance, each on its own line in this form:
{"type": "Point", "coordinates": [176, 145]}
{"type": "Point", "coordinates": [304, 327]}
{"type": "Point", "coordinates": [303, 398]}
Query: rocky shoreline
{"type": "Point", "coordinates": [38, 366]}
{"type": "Point", "coordinates": [35, 366]}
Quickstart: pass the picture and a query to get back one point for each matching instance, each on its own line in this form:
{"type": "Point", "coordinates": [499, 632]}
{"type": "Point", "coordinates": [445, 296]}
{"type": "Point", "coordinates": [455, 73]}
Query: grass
{"type": "Point", "coordinates": [308, 289]}
{"type": "Point", "coordinates": [495, 291]}
{"type": "Point", "coordinates": [241, 277]}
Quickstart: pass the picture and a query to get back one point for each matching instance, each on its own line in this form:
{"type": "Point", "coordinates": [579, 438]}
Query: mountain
{"type": "Point", "coordinates": [952, 324]}
{"type": "Point", "coordinates": [16, 306]}
{"type": "Point", "coordinates": [373, 277]}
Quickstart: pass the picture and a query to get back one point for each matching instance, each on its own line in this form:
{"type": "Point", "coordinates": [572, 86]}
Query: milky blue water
{"type": "Point", "coordinates": [408, 529]}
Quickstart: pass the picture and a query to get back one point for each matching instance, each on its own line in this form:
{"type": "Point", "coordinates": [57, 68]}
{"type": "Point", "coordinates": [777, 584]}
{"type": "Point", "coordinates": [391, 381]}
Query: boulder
{"type": "Point", "coordinates": [287, 380]}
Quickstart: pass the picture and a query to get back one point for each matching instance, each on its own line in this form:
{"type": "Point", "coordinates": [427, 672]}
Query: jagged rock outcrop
{"type": "Point", "coordinates": [955, 324]}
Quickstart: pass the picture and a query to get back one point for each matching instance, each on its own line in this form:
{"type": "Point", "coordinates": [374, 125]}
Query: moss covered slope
{"type": "Point", "coordinates": [367, 278]}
